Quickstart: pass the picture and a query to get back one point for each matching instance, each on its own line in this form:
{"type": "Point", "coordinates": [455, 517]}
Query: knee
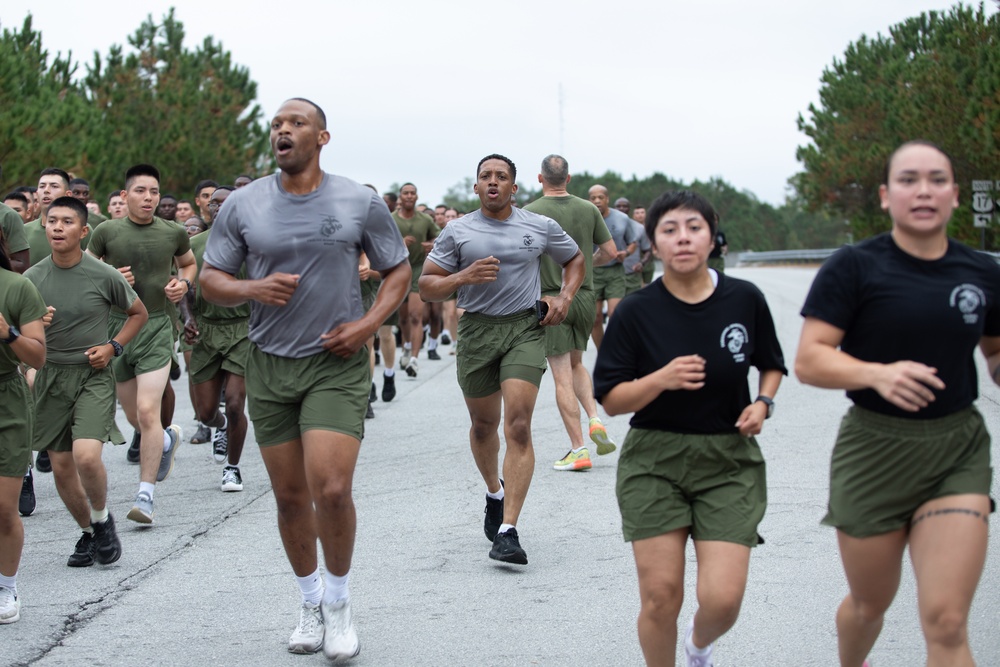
{"type": "Point", "coordinates": [483, 430]}
{"type": "Point", "coordinates": [945, 627]}
{"type": "Point", "coordinates": [518, 430]}
{"type": "Point", "coordinates": [335, 495]}
{"type": "Point", "coordinates": [868, 611]}
{"type": "Point", "coordinates": [234, 406]}
{"type": "Point", "coordinates": [663, 603]}
{"type": "Point", "coordinates": [87, 463]}
{"type": "Point", "coordinates": [725, 608]}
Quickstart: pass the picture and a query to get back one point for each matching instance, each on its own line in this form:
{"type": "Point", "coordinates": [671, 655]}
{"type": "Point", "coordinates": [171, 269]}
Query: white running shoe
{"type": "Point", "coordinates": [10, 606]}
{"type": "Point", "coordinates": [341, 640]}
{"type": "Point", "coordinates": [308, 637]}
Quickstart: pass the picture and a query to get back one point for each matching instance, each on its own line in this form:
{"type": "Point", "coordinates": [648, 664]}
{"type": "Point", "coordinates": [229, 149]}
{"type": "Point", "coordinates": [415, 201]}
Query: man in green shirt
{"type": "Point", "coordinates": [74, 406]}
{"type": "Point", "coordinates": [80, 189]}
{"type": "Point", "coordinates": [566, 343]}
{"type": "Point", "coordinates": [12, 226]}
{"type": "Point", "coordinates": [419, 231]}
{"type": "Point", "coordinates": [144, 248]}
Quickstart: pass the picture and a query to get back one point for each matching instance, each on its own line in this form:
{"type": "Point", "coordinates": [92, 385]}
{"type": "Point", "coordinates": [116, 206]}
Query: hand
{"type": "Point", "coordinates": [175, 290]}
{"type": "Point", "coordinates": [482, 271]}
{"type": "Point", "coordinates": [687, 372]}
{"type": "Point", "coordinates": [558, 310]}
{"type": "Point", "coordinates": [47, 317]}
{"type": "Point", "coordinates": [364, 270]}
{"type": "Point", "coordinates": [637, 268]}
{"type": "Point", "coordinates": [621, 255]}
{"type": "Point", "coordinates": [276, 289]}
{"type": "Point", "coordinates": [190, 331]}
{"type": "Point", "coordinates": [4, 327]}
{"type": "Point", "coordinates": [127, 272]}
{"type": "Point", "coordinates": [907, 384]}
{"type": "Point", "coordinates": [427, 246]}
{"type": "Point", "coordinates": [752, 418]}
{"type": "Point", "coordinates": [409, 240]}
{"type": "Point", "coordinates": [100, 355]}
{"type": "Point", "coordinates": [346, 339]}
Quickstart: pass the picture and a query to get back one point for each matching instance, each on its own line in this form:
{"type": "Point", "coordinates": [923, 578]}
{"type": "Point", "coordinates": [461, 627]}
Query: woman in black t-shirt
{"type": "Point", "coordinates": [677, 354]}
{"type": "Point", "coordinates": [895, 321]}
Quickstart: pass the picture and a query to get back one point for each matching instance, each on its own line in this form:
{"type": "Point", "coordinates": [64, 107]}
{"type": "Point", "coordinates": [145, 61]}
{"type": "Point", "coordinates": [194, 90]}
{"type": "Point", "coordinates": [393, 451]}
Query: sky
{"type": "Point", "coordinates": [420, 91]}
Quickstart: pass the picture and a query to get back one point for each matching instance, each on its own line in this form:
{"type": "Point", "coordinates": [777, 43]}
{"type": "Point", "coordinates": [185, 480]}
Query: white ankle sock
{"type": "Point", "coordinates": [311, 586]}
{"type": "Point", "coordinates": [9, 582]}
{"type": "Point", "coordinates": [147, 487]}
{"type": "Point", "coordinates": [504, 527]}
{"type": "Point", "coordinates": [336, 587]}
{"type": "Point", "coordinates": [98, 516]}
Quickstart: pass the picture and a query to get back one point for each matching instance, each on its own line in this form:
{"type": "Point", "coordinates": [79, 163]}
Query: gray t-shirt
{"type": "Point", "coordinates": [518, 242]}
{"type": "Point", "coordinates": [319, 236]}
{"type": "Point", "coordinates": [621, 231]}
{"type": "Point", "coordinates": [642, 246]}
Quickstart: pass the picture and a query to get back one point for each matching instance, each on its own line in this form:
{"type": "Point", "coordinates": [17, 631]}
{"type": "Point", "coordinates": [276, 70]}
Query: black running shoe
{"type": "Point", "coordinates": [433, 355]}
{"type": "Point", "coordinates": [86, 548]}
{"type": "Point", "coordinates": [42, 463]}
{"type": "Point", "coordinates": [372, 395]}
{"type": "Point", "coordinates": [202, 435]}
{"type": "Point", "coordinates": [26, 503]}
{"type": "Point", "coordinates": [507, 548]}
{"type": "Point", "coordinates": [132, 455]}
{"type": "Point", "coordinates": [108, 547]}
{"type": "Point", "coordinates": [445, 339]}
{"type": "Point", "coordinates": [388, 387]}
{"type": "Point", "coordinates": [370, 414]}
{"type": "Point", "coordinates": [494, 516]}
{"type": "Point", "coordinates": [175, 371]}
{"type": "Point", "coordinates": [378, 358]}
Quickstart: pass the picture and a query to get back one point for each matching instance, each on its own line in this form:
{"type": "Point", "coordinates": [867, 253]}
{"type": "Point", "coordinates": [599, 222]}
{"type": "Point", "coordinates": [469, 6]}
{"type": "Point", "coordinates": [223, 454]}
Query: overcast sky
{"type": "Point", "coordinates": [421, 90]}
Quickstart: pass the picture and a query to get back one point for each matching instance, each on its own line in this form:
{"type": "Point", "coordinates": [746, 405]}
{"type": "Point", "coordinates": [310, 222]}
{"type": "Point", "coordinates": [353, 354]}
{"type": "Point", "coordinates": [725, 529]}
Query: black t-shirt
{"type": "Point", "coordinates": [732, 330]}
{"type": "Point", "coordinates": [893, 307]}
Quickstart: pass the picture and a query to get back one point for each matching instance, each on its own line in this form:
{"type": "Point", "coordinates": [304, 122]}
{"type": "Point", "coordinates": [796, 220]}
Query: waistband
{"type": "Point", "coordinates": [500, 319]}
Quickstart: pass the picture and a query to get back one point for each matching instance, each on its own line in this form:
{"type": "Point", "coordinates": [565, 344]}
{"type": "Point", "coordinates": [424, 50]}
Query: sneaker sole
{"type": "Point", "coordinates": [604, 445]}
{"type": "Point", "coordinates": [12, 619]}
{"type": "Point", "coordinates": [232, 487]}
{"type": "Point", "coordinates": [305, 650]}
{"type": "Point", "coordinates": [412, 372]}
{"type": "Point", "coordinates": [137, 515]}
{"type": "Point", "coordinates": [342, 657]}
{"type": "Point", "coordinates": [513, 559]}
{"type": "Point", "coordinates": [576, 465]}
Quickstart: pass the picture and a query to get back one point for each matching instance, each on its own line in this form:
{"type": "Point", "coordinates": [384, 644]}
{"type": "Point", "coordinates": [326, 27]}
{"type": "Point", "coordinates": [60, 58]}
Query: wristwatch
{"type": "Point", "coordinates": [185, 280]}
{"type": "Point", "coordinates": [14, 335]}
{"type": "Point", "coordinates": [769, 403]}
{"type": "Point", "coordinates": [118, 347]}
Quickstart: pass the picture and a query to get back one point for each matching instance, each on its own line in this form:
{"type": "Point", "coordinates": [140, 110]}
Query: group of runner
{"type": "Point", "coordinates": [526, 288]}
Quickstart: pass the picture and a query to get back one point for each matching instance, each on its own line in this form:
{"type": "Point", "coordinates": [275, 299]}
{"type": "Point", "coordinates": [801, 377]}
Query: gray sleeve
{"type": "Point", "coordinates": [630, 231]}
{"type": "Point", "coordinates": [445, 251]}
{"type": "Point", "coordinates": [644, 243]}
{"type": "Point", "coordinates": [559, 245]}
{"type": "Point", "coordinates": [226, 250]}
{"type": "Point", "coordinates": [380, 239]}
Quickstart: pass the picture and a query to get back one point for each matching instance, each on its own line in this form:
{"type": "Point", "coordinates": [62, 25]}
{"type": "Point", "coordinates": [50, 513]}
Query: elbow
{"type": "Point", "coordinates": [803, 370]}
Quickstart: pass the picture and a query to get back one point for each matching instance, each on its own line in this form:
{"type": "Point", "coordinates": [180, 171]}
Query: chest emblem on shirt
{"type": "Point", "coordinates": [330, 226]}
{"type": "Point", "coordinates": [734, 338]}
{"type": "Point", "coordinates": [968, 299]}
{"type": "Point", "coordinates": [528, 239]}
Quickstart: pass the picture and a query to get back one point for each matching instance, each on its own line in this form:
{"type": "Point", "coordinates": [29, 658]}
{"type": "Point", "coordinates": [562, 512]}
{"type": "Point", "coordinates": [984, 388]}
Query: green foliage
{"type": "Point", "coordinates": [189, 112]}
{"type": "Point", "coordinates": [936, 77]}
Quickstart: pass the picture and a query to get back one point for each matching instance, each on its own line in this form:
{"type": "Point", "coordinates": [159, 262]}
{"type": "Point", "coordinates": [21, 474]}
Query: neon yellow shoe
{"type": "Point", "coordinates": [599, 435]}
{"type": "Point", "coordinates": [574, 461]}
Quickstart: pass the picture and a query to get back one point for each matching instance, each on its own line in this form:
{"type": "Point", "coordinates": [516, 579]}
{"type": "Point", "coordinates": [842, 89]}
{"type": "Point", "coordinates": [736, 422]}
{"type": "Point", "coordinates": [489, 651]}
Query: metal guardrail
{"type": "Point", "coordinates": [804, 256]}
{"type": "Point", "coordinates": [784, 256]}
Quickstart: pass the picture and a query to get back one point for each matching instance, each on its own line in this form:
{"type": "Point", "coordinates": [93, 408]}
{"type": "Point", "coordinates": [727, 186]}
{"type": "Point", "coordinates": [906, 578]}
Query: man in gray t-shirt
{"type": "Point", "coordinates": [635, 262]}
{"type": "Point", "coordinates": [492, 258]}
{"type": "Point", "coordinates": [301, 233]}
{"type": "Point", "coordinates": [609, 279]}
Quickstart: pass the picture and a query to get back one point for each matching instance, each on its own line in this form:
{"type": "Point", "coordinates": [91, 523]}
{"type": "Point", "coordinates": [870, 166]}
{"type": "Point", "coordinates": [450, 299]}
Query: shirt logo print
{"type": "Point", "coordinates": [330, 226]}
{"type": "Point", "coordinates": [528, 239]}
{"type": "Point", "coordinates": [969, 299]}
{"type": "Point", "coordinates": [734, 338]}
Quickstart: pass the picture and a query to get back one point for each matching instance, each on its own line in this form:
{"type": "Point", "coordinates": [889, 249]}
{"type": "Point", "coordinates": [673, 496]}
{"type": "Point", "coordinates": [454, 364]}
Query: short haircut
{"type": "Point", "coordinates": [27, 189]}
{"type": "Point", "coordinates": [391, 196]}
{"type": "Point", "coordinates": [55, 171]}
{"type": "Point", "coordinates": [319, 112]}
{"type": "Point", "coordinates": [167, 196]}
{"type": "Point", "coordinates": [79, 181]}
{"type": "Point", "coordinates": [555, 170]}
{"type": "Point", "coordinates": [675, 199]}
{"type": "Point", "coordinates": [229, 188]}
{"type": "Point", "coordinates": [138, 170]}
{"type": "Point", "coordinates": [72, 202]}
{"type": "Point", "coordinates": [113, 194]}
{"type": "Point", "coordinates": [916, 142]}
{"type": "Point", "coordinates": [17, 196]}
{"type": "Point", "coordinates": [405, 184]}
{"type": "Point", "coordinates": [185, 201]}
{"type": "Point", "coordinates": [497, 156]}
{"type": "Point", "coordinates": [243, 176]}
{"type": "Point", "coordinates": [207, 183]}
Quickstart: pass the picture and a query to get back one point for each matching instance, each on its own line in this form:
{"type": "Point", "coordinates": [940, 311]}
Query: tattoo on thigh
{"type": "Point", "coordinates": [950, 510]}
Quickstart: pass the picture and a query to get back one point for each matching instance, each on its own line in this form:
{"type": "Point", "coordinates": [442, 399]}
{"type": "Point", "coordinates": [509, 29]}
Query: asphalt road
{"type": "Point", "coordinates": [209, 582]}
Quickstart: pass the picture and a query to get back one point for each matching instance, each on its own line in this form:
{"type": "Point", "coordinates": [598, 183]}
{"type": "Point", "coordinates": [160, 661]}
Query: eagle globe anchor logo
{"type": "Point", "coordinates": [734, 338]}
{"type": "Point", "coordinates": [968, 299]}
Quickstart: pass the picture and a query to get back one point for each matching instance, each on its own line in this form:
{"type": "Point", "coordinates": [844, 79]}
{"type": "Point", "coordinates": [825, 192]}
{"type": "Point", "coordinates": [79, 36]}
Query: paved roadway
{"type": "Point", "coordinates": [209, 583]}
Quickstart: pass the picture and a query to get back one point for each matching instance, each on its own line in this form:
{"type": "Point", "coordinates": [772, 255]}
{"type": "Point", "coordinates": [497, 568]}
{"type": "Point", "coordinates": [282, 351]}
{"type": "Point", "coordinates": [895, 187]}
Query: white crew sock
{"type": "Point", "coordinates": [432, 343]}
{"type": "Point", "coordinates": [98, 516]}
{"type": "Point", "coordinates": [9, 582]}
{"type": "Point", "coordinates": [311, 586]}
{"type": "Point", "coordinates": [336, 587]}
{"type": "Point", "coordinates": [147, 487]}
{"type": "Point", "coordinates": [389, 372]}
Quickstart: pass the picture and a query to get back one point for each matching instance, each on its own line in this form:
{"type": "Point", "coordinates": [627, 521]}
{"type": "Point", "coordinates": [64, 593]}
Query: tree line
{"type": "Point", "coordinates": [192, 112]}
